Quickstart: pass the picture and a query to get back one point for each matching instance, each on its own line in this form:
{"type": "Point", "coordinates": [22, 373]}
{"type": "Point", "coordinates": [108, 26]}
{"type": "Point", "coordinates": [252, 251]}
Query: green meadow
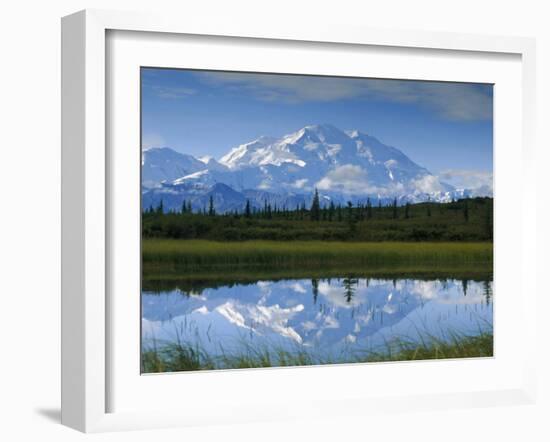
{"type": "Point", "coordinates": [163, 254]}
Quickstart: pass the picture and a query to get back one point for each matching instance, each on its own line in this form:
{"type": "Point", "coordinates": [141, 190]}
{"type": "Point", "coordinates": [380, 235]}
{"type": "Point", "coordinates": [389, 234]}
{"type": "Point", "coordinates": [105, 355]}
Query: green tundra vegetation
{"type": "Point", "coordinates": [462, 220]}
{"type": "Point", "coordinates": [165, 257]}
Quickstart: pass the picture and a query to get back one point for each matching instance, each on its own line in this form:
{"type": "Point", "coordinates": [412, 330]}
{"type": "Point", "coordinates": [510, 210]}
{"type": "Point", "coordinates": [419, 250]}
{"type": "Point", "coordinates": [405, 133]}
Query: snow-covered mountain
{"type": "Point", "coordinates": [162, 164]}
{"type": "Point", "coordinates": [342, 165]}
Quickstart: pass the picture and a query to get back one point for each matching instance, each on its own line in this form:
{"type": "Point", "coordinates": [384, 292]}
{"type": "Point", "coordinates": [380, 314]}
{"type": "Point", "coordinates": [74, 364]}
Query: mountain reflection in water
{"type": "Point", "coordinates": [329, 317]}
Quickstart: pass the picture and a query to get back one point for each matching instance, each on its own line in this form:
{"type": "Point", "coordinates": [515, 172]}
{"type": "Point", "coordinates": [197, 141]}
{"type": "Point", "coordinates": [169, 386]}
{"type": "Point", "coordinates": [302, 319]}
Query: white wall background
{"type": "Point", "coordinates": [30, 214]}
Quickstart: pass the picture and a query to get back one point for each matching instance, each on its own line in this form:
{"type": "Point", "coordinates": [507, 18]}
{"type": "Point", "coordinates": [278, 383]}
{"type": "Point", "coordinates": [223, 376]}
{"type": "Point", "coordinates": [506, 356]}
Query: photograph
{"type": "Point", "coordinates": [300, 220]}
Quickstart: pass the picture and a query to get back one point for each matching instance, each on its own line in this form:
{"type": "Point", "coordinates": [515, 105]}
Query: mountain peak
{"type": "Point", "coordinates": [354, 133]}
{"type": "Point", "coordinates": [164, 164]}
{"type": "Point", "coordinates": [316, 133]}
{"type": "Point", "coordinates": [321, 128]}
{"type": "Point", "coordinates": [157, 149]}
{"type": "Point", "coordinates": [343, 165]}
{"type": "Point", "coordinates": [324, 131]}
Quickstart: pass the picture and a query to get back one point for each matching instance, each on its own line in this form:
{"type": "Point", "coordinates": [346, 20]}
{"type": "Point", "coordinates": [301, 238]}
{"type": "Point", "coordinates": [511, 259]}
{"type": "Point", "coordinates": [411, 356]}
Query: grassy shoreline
{"type": "Point", "coordinates": [204, 254]}
{"type": "Point", "coordinates": [181, 357]}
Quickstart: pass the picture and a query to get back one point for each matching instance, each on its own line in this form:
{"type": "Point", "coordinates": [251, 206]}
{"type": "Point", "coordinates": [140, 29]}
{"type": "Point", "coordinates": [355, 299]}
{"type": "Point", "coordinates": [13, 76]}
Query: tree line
{"type": "Point", "coordinates": [464, 219]}
{"type": "Point", "coordinates": [328, 212]}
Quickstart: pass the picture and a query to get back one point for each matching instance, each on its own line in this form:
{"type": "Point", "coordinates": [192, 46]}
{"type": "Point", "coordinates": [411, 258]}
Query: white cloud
{"type": "Point", "coordinates": [300, 184]}
{"type": "Point", "coordinates": [351, 179]}
{"type": "Point", "coordinates": [426, 289]}
{"type": "Point", "coordinates": [468, 179]}
{"type": "Point", "coordinates": [428, 184]}
{"type": "Point", "coordinates": [346, 179]}
{"type": "Point", "coordinates": [297, 287]}
{"type": "Point", "coordinates": [455, 101]}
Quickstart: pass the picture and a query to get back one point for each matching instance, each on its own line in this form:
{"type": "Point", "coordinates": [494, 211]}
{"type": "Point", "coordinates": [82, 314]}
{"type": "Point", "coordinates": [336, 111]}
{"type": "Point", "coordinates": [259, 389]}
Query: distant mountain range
{"type": "Point", "coordinates": [342, 165]}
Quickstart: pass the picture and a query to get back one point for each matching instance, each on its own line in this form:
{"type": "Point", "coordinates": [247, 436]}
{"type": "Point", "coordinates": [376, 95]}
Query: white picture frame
{"type": "Point", "coordinates": [86, 202]}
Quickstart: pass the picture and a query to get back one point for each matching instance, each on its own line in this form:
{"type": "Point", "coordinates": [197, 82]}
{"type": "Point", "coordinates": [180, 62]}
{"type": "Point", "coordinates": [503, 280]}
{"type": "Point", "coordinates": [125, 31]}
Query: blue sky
{"type": "Point", "coordinates": [445, 127]}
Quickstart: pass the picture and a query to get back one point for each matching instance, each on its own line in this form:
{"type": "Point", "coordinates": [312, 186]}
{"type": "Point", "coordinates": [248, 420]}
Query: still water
{"type": "Point", "coordinates": [333, 319]}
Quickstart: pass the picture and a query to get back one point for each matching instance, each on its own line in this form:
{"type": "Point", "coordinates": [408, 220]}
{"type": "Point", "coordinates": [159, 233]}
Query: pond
{"type": "Point", "coordinates": [314, 321]}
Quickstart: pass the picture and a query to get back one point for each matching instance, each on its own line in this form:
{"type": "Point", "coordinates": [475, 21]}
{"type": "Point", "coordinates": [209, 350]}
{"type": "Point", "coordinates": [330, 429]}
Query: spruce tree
{"type": "Point", "coordinates": [211, 211]}
{"type": "Point", "coordinates": [350, 285]}
{"type": "Point", "coordinates": [247, 209]}
{"type": "Point", "coordinates": [350, 212]}
{"type": "Point", "coordinates": [331, 210]}
{"type": "Point", "coordinates": [315, 289]}
{"type": "Point", "coordinates": [315, 210]}
{"type": "Point", "coordinates": [369, 209]}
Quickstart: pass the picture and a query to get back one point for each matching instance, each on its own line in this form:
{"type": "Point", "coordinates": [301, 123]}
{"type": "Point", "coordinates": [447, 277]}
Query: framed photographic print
{"type": "Point", "coordinates": [249, 213]}
{"type": "Point", "coordinates": [319, 245]}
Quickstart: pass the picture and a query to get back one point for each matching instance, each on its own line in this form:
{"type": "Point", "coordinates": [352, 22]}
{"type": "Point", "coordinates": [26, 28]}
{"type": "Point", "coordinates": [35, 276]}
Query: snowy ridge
{"type": "Point", "coordinates": [342, 165]}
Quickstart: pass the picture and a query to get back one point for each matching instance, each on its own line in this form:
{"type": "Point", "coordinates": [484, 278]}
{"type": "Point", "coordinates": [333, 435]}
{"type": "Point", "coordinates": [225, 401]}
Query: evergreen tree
{"type": "Point", "coordinates": [247, 209]}
{"type": "Point", "coordinates": [369, 209]}
{"type": "Point", "coordinates": [407, 209]}
{"type": "Point", "coordinates": [211, 211]}
{"type": "Point", "coordinates": [331, 210]}
{"type": "Point", "coordinates": [350, 211]}
{"type": "Point", "coordinates": [315, 210]}
{"type": "Point", "coordinates": [350, 285]}
{"type": "Point", "coordinates": [466, 210]}
{"type": "Point", "coordinates": [315, 289]}
{"type": "Point", "coordinates": [160, 208]}
{"type": "Point", "coordinates": [394, 208]}
{"type": "Point", "coordinates": [360, 212]}
{"type": "Point", "coordinates": [465, 286]}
